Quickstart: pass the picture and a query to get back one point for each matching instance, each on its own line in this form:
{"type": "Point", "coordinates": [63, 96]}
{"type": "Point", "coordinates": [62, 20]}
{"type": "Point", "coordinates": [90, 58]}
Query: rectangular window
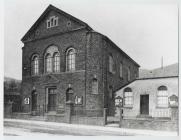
{"type": "Point", "coordinates": [128, 99]}
{"type": "Point", "coordinates": [162, 98]}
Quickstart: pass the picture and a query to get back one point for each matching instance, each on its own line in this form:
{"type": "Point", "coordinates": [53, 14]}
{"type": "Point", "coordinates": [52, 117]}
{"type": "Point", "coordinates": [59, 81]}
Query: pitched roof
{"type": "Point", "coordinates": [49, 8]}
{"type": "Point", "coordinates": [167, 71]}
{"type": "Point", "coordinates": [150, 85]}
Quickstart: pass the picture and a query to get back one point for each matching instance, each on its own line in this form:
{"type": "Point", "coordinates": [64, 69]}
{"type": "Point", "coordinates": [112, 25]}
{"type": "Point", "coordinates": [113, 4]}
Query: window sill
{"type": "Point", "coordinates": [128, 107]}
{"type": "Point", "coordinates": [159, 107]}
{"type": "Point", "coordinates": [44, 74]}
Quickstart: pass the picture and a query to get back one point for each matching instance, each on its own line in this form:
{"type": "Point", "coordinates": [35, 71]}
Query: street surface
{"type": "Point", "coordinates": [15, 127]}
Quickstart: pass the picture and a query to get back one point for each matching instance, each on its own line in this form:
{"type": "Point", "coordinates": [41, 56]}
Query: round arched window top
{"type": "Point", "coordinates": [70, 51]}
{"type": "Point", "coordinates": [48, 55]}
{"type": "Point", "coordinates": [56, 54]}
{"type": "Point", "coordinates": [162, 88]}
{"type": "Point", "coordinates": [34, 57]}
{"type": "Point", "coordinates": [127, 89]}
{"type": "Point", "coordinates": [51, 50]}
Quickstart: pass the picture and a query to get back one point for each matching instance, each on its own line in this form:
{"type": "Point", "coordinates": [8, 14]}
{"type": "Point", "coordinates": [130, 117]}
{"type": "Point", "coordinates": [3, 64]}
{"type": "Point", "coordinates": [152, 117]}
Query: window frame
{"type": "Point", "coordinates": [52, 22]}
{"type": "Point", "coordinates": [35, 65]}
{"type": "Point", "coordinates": [50, 63]}
{"type": "Point", "coordinates": [128, 73]}
{"type": "Point", "coordinates": [111, 64]}
{"type": "Point", "coordinates": [129, 97]}
{"type": "Point", "coordinates": [95, 86]}
{"type": "Point", "coordinates": [121, 70]}
{"type": "Point", "coordinates": [111, 92]}
{"type": "Point", "coordinates": [158, 97]}
{"type": "Point", "coordinates": [56, 62]}
{"type": "Point", "coordinates": [71, 62]}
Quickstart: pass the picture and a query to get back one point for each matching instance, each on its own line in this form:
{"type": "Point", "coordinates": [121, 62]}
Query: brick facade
{"type": "Point", "coordinates": [91, 62]}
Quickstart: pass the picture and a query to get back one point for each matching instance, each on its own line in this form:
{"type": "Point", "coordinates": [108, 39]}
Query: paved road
{"type": "Point", "coordinates": [22, 129]}
{"type": "Point", "coordinates": [17, 127]}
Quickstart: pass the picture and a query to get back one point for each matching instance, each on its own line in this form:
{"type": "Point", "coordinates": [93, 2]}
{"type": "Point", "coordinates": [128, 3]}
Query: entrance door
{"type": "Point", "coordinates": [34, 101]}
{"type": "Point", "coordinates": [144, 104]}
{"type": "Point", "coordinates": [51, 100]}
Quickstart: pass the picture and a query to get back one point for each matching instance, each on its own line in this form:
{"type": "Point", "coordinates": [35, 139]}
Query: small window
{"type": "Point", "coordinates": [52, 22]}
{"type": "Point", "coordinates": [111, 64]}
{"type": "Point", "coordinates": [56, 62]}
{"type": "Point", "coordinates": [69, 94]}
{"type": "Point", "coordinates": [48, 63]}
{"type": "Point", "coordinates": [128, 97]}
{"type": "Point", "coordinates": [94, 86]}
{"type": "Point", "coordinates": [111, 94]}
{"type": "Point", "coordinates": [128, 74]}
{"type": "Point", "coordinates": [121, 70]}
{"type": "Point", "coordinates": [35, 65]}
{"type": "Point", "coordinates": [70, 59]}
{"type": "Point", "coordinates": [48, 24]}
{"type": "Point", "coordinates": [162, 97]}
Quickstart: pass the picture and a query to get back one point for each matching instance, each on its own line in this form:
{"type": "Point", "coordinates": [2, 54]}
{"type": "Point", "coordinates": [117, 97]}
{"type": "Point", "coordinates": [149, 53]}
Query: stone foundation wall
{"type": "Point", "coordinates": [152, 124]}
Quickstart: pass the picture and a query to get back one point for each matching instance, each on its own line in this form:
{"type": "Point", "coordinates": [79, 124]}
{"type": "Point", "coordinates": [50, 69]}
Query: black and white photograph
{"type": "Point", "coordinates": [90, 68]}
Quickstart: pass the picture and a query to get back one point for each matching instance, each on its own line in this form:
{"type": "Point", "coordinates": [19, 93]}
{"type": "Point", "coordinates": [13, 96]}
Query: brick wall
{"type": "Point", "coordinates": [113, 79]}
{"type": "Point", "coordinates": [91, 62]}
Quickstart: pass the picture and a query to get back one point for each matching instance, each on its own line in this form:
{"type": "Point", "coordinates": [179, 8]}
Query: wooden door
{"type": "Point", "coordinates": [51, 100]}
{"type": "Point", "coordinates": [34, 101]}
{"type": "Point", "coordinates": [144, 104]}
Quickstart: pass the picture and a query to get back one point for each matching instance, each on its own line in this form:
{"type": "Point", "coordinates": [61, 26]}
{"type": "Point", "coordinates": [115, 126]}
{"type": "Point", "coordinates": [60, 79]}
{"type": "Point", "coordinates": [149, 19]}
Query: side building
{"type": "Point", "coordinates": [151, 101]}
{"type": "Point", "coordinates": [64, 60]}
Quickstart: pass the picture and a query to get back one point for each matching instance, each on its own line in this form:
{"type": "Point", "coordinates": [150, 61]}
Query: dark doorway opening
{"type": "Point", "coordinates": [144, 104]}
{"type": "Point", "coordinates": [34, 101]}
{"type": "Point", "coordinates": [52, 99]}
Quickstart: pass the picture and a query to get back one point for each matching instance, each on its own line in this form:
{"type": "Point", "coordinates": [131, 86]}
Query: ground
{"type": "Point", "coordinates": [15, 127]}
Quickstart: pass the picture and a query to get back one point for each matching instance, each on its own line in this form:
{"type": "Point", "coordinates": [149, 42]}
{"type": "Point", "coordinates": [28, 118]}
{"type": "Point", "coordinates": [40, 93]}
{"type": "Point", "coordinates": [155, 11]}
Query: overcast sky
{"type": "Point", "coordinates": [145, 30]}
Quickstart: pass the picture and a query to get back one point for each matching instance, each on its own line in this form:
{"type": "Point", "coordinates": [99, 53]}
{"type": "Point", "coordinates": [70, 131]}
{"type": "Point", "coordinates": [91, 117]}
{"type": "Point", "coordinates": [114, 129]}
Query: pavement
{"type": "Point", "coordinates": [17, 127]}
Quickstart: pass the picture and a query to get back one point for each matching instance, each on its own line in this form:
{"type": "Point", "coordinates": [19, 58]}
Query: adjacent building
{"type": "Point", "coordinates": [151, 101]}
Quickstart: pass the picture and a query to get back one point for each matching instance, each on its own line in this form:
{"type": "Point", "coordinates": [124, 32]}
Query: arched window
{"type": "Point", "coordinates": [121, 70]}
{"type": "Point", "coordinates": [128, 97]}
{"type": "Point", "coordinates": [48, 62]}
{"type": "Point", "coordinates": [35, 65]}
{"type": "Point", "coordinates": [111, 64]}
{"type": "Point", "coordinates": [128, 74]}
{"type": "Point", "coordinates": [56, 59]}
{"type": "Point", "coordinates": [162, 97]}
{"type": "Point", "coordinates": [94, 86]}
{"type": "Point", "coordinates": [111, 95]}
{"type": "Point", "coordinates": [69, 94]}
{"type": "Point", "coordinates": [70, 59]}
{"type": "Point", "coordinates": [52, 59]}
